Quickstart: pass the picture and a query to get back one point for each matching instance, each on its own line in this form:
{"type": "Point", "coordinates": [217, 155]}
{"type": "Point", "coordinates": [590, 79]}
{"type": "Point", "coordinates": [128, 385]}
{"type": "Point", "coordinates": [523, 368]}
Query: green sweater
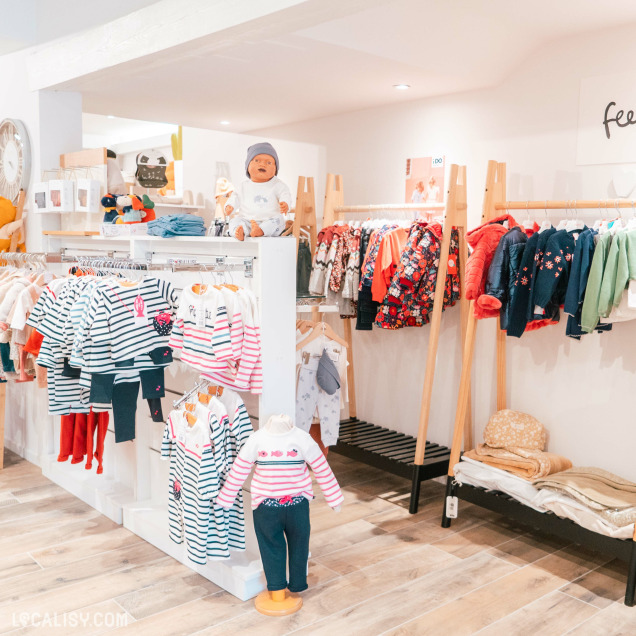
{"type": "Point", "coordinates": [590, 315]}
{"type": "Point", "coordinates": [620, 268]}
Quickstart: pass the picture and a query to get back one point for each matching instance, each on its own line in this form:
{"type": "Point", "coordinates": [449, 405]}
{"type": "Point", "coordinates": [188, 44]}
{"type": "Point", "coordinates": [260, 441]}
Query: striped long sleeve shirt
{"type": "Point", "coordinates": [280, 469]}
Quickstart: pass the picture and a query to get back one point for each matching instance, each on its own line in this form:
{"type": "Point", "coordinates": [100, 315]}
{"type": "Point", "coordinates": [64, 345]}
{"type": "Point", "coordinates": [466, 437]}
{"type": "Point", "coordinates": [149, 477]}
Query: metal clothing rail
{"type": "Point", "coordinates": [218, 264]}
{"type": "Point", "coordinates": [186, 396]}
{"type": "Point", "coordinates": [400, 454]}
{"type": "Point", "coordinates": [391, 207]}
{"type": "Point", "coordinates": [625, 549]}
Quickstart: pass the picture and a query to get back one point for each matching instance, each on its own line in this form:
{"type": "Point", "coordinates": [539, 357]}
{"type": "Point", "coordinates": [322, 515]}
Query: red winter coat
{"type": "Point", "coordinates": [483, 240]}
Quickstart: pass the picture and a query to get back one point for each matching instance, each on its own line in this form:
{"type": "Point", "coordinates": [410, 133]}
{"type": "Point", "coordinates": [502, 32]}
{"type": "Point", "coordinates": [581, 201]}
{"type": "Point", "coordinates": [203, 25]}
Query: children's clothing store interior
{"type": "Point", "coordinates": [316, 317]}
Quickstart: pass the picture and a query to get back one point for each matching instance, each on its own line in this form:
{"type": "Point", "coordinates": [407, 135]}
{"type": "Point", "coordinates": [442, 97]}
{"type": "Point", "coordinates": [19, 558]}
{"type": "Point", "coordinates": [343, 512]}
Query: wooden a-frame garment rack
{"type": "Point", "coordinates": [412, 457]}
{"type": "Point", "coordinates": [625, 549]}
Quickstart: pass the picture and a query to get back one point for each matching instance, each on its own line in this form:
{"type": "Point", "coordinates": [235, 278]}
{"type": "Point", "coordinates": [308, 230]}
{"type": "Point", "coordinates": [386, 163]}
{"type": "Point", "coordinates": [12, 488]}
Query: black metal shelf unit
{"type": "Point", "coordinates": [548, 522]}
{"type": "Point", "coordinates": [391, 451]}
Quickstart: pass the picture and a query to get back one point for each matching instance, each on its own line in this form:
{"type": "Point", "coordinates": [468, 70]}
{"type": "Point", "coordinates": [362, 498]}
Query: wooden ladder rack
{"type": "Point", "coordinates": [411, 457]}
{"type": "Point", "coordinates": [625, 549]}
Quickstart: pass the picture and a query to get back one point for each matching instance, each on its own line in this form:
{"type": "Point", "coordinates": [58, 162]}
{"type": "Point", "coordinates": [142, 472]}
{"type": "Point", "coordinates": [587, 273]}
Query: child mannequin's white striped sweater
{"type": "Point", "coordinates": [281, 469]}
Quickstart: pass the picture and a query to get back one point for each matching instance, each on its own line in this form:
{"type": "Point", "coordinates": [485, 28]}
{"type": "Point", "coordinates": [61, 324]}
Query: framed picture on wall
{"type": "Point", "coordinates": [425, 180]}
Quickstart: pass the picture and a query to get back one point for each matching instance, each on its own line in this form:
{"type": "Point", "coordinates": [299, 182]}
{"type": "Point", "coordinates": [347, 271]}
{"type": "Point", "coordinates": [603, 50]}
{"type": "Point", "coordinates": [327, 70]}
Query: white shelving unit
{"type": "Point", "coordinates": [179, 206]}
{"type": "Point", "coordinates": [134, 487]}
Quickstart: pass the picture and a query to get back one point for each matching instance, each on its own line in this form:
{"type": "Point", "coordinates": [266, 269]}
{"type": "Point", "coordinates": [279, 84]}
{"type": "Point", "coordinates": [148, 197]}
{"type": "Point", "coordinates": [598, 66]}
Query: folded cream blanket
{"type": "Point", "coordinates": [600, 489]}
{"type": "Point", "coordinates": [526, 463]}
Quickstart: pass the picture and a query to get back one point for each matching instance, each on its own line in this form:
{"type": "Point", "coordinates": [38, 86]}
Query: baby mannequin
{"type": "Point", "coordinates": [263, 199]}
{"type": "Point", "coordinates": [281, 491]}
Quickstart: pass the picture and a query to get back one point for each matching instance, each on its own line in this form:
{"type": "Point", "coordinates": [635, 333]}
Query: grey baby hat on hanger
{"type": "Point", "coordinates": [327, 374]}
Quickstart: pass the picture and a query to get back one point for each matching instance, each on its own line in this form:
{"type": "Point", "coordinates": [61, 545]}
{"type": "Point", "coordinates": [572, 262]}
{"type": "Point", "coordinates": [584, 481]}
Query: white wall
{"type": "Point", "coordinates": [581, 391]}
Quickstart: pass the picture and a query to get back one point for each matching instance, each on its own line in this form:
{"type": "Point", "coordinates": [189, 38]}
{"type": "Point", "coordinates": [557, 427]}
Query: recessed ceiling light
{"type": "Point", "coordinates": [110, 116]}
{"type": "Point", "coordinates": [224, 123]}
{"type": "Point", "coordinates": [401, 87]}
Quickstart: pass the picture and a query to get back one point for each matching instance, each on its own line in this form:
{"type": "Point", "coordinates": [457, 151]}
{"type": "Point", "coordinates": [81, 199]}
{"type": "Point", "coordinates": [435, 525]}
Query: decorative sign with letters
{"type": "Point", "coordinates": [607, 120]}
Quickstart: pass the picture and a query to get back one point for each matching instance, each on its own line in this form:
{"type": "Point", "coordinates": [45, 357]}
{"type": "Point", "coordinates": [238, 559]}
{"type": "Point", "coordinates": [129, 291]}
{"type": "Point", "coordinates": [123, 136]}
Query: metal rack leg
{"type": "Point", "coordinates": [631, 578]}
{"type": "Point", "coordinates": [450, 492]}
{"type": "Point", "coordinates": [415, 489]}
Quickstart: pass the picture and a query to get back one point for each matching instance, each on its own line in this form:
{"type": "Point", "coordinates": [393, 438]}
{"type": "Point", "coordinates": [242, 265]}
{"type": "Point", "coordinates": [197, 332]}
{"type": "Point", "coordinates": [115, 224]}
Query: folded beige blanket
{"type": "Point", "coordinates": [597, 488]}
{"type": "Point", "coordinates": [523, 462]}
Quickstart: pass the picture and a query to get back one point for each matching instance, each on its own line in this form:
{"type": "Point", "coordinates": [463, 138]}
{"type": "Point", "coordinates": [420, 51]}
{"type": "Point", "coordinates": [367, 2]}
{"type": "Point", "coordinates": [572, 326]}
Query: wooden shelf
{"type": "Point", "coordinates": [70, 233]}
{"type": "Point", "coordinates": [179, 205]}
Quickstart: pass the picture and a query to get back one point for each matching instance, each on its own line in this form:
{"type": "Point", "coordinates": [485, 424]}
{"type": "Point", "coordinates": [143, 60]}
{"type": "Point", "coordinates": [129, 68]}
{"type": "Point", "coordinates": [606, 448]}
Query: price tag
{"type": "Point", "coordinates": [452, 505]}
{"type": "Point", "coordinates": [200, 315]}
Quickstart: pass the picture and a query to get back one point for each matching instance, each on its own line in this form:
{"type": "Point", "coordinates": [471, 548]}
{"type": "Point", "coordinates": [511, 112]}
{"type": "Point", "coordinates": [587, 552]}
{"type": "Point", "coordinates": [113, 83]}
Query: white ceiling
{"type": "Point", "coordinates": [25, 23]}
{"type": "Point", "coordinates": [345, 64]}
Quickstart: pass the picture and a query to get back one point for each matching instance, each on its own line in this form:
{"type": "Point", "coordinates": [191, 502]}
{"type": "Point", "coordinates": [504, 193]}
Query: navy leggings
{"type": "Point", "coordinates": [279, 530]}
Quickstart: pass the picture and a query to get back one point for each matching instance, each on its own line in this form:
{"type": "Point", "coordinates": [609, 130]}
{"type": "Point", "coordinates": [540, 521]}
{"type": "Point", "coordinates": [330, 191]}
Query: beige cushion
{"type": "Point", "coordinates": [507, 429]}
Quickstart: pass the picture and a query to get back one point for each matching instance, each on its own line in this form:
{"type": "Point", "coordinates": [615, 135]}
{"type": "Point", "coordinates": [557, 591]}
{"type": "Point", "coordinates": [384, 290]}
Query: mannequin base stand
{"type": "Point", "coordinates": [278, 603]}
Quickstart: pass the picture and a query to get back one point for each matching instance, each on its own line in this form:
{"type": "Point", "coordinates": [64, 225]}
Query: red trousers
{"type": "Point", "coordinates": [83, 434]}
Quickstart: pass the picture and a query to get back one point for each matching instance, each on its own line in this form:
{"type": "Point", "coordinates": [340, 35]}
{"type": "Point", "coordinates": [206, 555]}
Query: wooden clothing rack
{"type": "Point", "coordinates": [305, 212]}
{"type": "Point", "coordinates": [405, 455]}
{"type": "Point", "coordinates": [625, 549]}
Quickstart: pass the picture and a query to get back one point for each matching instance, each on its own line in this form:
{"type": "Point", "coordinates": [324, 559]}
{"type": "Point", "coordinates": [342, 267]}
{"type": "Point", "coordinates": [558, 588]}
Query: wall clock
{"type": "Point", "coordinates": [15, 158]}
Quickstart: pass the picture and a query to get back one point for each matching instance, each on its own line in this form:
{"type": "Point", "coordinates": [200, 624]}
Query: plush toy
{"type": "Point", "coordinates": [9, 226]}
{"type": "Point", "coordinates": [109, 203]}
{"type": "Point", "coordinates": [130, 212]}
{"type": "Point", "coordinates": [148, 208]}
{"type": "Point", "coordinates": [224, 197]}
{"type": "Point", "coordinates": [263, 199]}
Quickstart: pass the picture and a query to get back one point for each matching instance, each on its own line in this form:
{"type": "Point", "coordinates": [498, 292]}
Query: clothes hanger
{"type": "Point", "coordinates": [545, 224]}
{"type": "Point", "coordinates": [321, 329]}
{"type": "Point", "coordinates": [575, 223]}
{"type": "Point", "coordinates": [305, 325]}
{"type": "Point", "coordinates": [631, 224]}
{"type": "Point", "coordinates": [527, 223]}
{"type": "Point", "coordinates": [562, 223]}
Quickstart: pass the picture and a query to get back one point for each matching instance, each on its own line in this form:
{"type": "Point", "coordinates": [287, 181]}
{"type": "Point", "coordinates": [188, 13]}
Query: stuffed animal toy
{"type": "Point", "coordinates": [224, 197]}
{"type": "Point", "coordinates": [263, 199]}
{"type": "Point", "coordinates": [130, 211]}
{"type": "Point", "coordinates": [109, 203]}
{"type": "Point", "coordinates": [9, 226]}
{"type": "Point", "coordinates": [148, 207]}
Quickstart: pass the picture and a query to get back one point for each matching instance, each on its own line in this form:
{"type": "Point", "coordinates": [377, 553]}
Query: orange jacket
{"type": "Point", "coordinates": [483, 240]}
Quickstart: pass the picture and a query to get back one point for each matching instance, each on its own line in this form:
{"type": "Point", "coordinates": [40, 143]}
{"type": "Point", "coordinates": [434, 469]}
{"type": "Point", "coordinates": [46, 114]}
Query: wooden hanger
{"type": "Point", "coordinates": [189, 406]}
{"type": "Point", "coordinates": [204, 398]}
{"type": "Point", "coordinates": [192, 420]}
{"type": "Point", "coordinates": [305, 325]}
{"type": "Point", "coordinates": [321, 329]}
{"type": "Point", "coordinates": [215, 390]}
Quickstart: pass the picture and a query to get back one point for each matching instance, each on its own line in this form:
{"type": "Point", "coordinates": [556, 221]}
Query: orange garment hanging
{"type": "Point", "coordinates": [386, 262]}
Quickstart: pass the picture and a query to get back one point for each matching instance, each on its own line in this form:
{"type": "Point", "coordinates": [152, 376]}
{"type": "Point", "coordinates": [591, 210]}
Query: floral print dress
{"type": "Point", "coordinates": [409, 300]}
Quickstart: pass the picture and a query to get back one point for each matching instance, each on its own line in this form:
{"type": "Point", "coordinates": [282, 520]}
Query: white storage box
{"type": "Point", "coordinates": [61, 195]}
{"type": "Point", "coordinates": [87, 197]}
{"type": "Point", "coordinates": [41, 197]}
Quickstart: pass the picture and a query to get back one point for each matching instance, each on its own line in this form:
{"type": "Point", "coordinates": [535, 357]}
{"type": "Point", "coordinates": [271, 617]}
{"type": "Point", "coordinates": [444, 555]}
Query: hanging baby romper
{"type": "Point", "coordinates": [193, 482]}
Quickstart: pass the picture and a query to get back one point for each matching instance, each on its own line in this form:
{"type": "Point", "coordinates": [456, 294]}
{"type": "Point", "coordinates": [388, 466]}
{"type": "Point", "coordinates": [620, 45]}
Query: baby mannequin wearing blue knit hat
{"type": "Point", "coordinates": [258, 206]}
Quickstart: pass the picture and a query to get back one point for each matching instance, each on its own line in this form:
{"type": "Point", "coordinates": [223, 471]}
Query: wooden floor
{"type": "Point", "coordinates": [375, 569]}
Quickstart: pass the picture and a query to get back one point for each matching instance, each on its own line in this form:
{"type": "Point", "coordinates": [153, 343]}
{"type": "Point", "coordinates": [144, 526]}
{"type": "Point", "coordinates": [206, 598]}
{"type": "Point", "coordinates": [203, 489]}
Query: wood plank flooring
{"type": "Point", "coordinates": [374, 570]}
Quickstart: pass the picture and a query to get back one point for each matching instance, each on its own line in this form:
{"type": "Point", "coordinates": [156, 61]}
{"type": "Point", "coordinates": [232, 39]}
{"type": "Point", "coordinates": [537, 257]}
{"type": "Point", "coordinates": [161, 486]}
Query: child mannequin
{"type": "Point", "coordinates": [281, 490]}
{"type": "Point", "coordinates": [263, 199]}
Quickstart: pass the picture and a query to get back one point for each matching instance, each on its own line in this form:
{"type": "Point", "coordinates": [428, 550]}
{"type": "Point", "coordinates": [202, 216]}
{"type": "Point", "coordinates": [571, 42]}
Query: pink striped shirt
{"type": "Point", "coordinates": [281, 469]}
